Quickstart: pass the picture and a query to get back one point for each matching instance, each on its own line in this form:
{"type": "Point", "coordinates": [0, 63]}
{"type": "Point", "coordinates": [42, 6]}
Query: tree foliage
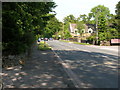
{"type": "Point", "coordinates": [80, 27]}
{"type": "Point", "coordinates": [118, 17]}
{"type": "Point", "coordinates": [84, 18]}
{"type": "Point", "coordinates": [69, 19]}
{"type": "Point", "coordinates": [21, 21]}
{"type": "Point", "coordinates": [52, 27]}
{"type": "Point", "coordinates": [98, 10]}
{"type": "Point", "coordinates": [105, 22]}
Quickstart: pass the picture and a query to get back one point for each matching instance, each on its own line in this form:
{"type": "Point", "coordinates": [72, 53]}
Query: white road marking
{"type": "Point", "coordinates": [71, 74]}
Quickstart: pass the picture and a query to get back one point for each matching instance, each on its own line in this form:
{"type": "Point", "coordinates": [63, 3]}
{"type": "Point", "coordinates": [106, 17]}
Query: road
{"type": "Point", "coordinates": [88, 66]}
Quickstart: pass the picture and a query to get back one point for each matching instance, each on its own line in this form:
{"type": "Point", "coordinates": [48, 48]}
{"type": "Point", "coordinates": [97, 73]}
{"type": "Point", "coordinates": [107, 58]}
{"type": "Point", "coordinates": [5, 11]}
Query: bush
{"type": "Point", "coordinates": [19, 46]}
{"type": "Point", "coordinates": [43, 46]}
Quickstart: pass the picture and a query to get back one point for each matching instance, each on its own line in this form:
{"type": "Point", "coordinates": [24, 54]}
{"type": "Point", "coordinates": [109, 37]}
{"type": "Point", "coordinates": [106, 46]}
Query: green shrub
{"type": "Point", "coordinates": [76, 42]}
{"type": "Point", "coordinates": [44, 46]}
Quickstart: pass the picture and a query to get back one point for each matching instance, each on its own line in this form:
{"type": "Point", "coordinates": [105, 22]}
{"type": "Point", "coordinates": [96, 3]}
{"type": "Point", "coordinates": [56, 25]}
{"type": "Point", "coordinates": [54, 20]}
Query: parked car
{"type": "Point", "coordinates": [50, 39]}
{"type": "Point", "coordinates": [42, 38]}
{"type": "Point", "coordinates": [46, 39]}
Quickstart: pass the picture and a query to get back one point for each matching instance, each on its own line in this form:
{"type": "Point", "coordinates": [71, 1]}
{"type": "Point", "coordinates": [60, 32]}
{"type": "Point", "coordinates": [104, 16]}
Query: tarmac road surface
{"type": "Point", "coordinates": [88, 66]}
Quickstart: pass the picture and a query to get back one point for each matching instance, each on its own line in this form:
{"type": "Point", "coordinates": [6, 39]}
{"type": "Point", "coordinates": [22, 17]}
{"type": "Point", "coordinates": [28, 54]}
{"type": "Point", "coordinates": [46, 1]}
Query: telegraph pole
{"type": "Point", "coordinates": [96, 29]}
{"type": "Point", "coordinates": [63, 31]}
{"type": "Point", "coordinates": [96, 17]}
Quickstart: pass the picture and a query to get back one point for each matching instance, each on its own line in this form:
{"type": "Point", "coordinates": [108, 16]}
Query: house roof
{"type": "Point", "coordinates": [73, 26]}
{"type": "Point", "coordinates": [92, 26]}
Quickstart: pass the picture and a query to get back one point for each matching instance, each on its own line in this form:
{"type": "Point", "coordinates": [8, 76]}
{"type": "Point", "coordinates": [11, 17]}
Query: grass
{"type": "Point", "coordinates": [76, 42]}
{"type": "Point", "coordinates": [82, 43]}
{"type": "Point", "coordinates": [43, 46]}
{"type": "Point", "coordinates": [65, 41]}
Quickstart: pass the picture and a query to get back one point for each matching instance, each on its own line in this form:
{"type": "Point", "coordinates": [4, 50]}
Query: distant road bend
{"type": "Point", "coordinates": [88, 66]}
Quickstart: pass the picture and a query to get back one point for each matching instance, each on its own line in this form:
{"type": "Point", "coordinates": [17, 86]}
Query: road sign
{"type": "Point", "coordinates": [115, 41]}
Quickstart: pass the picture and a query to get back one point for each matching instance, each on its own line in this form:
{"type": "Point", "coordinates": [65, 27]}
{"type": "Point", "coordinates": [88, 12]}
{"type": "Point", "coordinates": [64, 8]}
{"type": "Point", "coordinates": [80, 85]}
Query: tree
{"type": "Point", "coordinates": [70, 19]}
{"type": "Point", "coordinates": [98, 10]}
{"type": "Point", "coordinates": [80, 27]}
{"type": "Point", "coordinates": [21, 21]}
{"type": "Point", "coordinates": [113, 29]}
{"type": "Point", "coordinates": [102, 28]}
{"type": "Point", "coordinates": [84, 18]}
{"type": "Point", "coordinates": [52, 27]}
{"type": "Point", "coordinates": [63, 32]}
{"type": "Point", "coordinates": [67, 34]}
{"type": "Point", "coordinates": [101, 14]}
{"type": "Point", "coordinates": [118, 17]}
{"type": "Point", "coordinates": [90, 16]}
{"type": "Point", "coordinates": [67, 20]}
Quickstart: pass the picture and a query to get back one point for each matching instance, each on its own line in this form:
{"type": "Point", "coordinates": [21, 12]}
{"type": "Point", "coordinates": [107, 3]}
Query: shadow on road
{"type": "Point", "coordinates": [42, 70]}
{"type": "Point", "coordinates": [96, 70]}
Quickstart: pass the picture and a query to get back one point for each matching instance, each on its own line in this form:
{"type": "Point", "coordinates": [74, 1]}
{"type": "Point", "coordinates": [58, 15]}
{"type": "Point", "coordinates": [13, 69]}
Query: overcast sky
{"type": "Point", "coordinates": [77, 7]}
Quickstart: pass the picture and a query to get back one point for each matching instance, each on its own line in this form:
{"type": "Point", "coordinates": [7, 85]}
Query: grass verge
{"type": "Point", "coordinates": [43, 46]}
{"type": "Point", "coordinates": [76, 42]}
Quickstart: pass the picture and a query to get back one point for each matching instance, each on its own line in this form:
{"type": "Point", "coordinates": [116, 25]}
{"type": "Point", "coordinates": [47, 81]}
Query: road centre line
{"type": "Point", "coordinates": [71, 74]}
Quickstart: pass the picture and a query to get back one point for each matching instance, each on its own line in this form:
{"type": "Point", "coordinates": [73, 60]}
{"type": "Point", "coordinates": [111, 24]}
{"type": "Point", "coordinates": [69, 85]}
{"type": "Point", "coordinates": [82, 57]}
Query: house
{"type": "Point", "coordinates": [73, 27]}
{"type": "Point", "coordinates": [89, 30]}
{"type": "Point", "coordinates": [73, 30]}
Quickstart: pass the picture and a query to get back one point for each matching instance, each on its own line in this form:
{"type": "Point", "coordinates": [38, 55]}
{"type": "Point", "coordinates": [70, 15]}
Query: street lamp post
{"type": "Point", "coordinates": [63, 31]}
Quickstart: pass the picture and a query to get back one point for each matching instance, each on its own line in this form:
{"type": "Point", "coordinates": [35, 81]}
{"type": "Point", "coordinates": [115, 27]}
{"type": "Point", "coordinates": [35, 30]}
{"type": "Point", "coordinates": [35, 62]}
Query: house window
{"type": "Point", "coordinates": [90, 32]}
{"type": "Point", "coordinates": [76, 32]}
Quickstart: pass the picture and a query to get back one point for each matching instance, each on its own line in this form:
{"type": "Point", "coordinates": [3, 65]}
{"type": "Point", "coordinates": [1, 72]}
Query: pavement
{"type": "Point", "coordinates": [42, 70]}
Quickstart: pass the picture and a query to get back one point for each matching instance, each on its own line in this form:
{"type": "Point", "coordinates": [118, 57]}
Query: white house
{"type": "Point", "coordinates": [87, 31]}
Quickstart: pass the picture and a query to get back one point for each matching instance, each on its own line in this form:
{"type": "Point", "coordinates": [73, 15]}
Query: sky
{"type": "Point", "coordinates": [77, 7]}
